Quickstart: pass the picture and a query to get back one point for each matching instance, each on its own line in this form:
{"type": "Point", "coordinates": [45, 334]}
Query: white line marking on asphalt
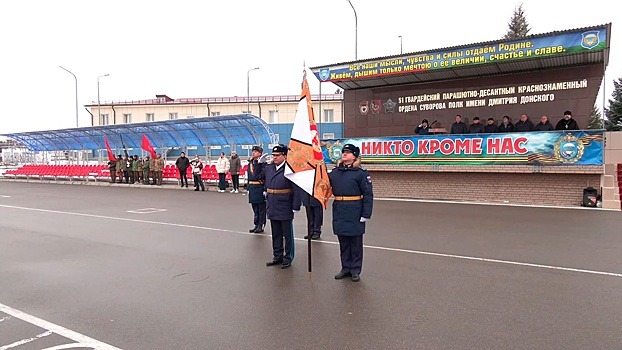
{"type": "Point", "coordinates": [5, 196]}
{"type": "Point", "coordinates": [506, 204]}
{"type": "Point", "coordinates": [5, 318]}
{"type": "Point", "coordinates": [53, 328]}
{"type": "Point", "coordinates": [419, 252]}
{"type": "Point", "coordinates": [146, 211]}
{"type": "Point", "coordinates": [73, 346]}
{"type": "Point", "coordinates": [25, 341]}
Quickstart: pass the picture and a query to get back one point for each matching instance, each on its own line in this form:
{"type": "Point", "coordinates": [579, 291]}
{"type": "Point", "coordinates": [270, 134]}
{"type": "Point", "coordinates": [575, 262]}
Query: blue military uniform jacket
{"type": "Point", "coordinates": [351, 181]}
{"type": "Point", "coordinates": [256, 174]}
{"type": "Point", "coordinates": [281, 206]}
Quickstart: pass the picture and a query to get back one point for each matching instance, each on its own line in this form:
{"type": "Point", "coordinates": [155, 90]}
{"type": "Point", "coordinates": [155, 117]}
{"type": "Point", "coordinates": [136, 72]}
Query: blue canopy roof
{"type": "Point", "coordinates": [242, 129]}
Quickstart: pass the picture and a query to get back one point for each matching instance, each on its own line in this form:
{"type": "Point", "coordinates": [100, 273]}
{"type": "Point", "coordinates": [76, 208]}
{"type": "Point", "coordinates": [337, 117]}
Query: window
{"type": "Point", "coordinates": [104, 120]}
{"type": "Point", "coordinates": [150, 117]}
{"type": "Point", "coordinates": [329, 116]}
{"type": "Point", "coordinates": [273, 117]}
{"type": "Point", "coordinates": [172, 116]}
{"type": "Point", "coordinates": [215, 114]}
{"type": "Point", "coordinates": [127, 118]}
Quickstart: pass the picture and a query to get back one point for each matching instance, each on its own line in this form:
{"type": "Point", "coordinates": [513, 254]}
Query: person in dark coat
{"type": "Point", "coordinates": [476, 127]}
{"type": "Point", "coordinates": [423, 128]}
{"type": "Point", "coordinates": [544, 124]}
{"type": "Point", "coordinates": [284, 199]}
{"type": "Point", "coordinates": [351, 209]}
{"type": "Point", "coordinates": [567, 123]}
{"type": "Point", "coordinates": [255, 187]}
{"type": "Point", "coordinates": [182, 163]}
{"type": "Point", "coordinates": [315, 216]}
{"type": "Point", "coordinates": [506, 125]}
{"type": "Point", "coordinates": [491, 127]}
{"type": "Point", "coordinates": [459, 127]}
{"type": "Point", "coordinates": [524, 124]}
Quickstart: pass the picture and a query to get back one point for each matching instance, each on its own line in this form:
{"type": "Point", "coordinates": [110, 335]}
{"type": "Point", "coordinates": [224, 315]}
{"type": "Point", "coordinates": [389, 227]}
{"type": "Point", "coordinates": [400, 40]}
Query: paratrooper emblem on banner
{"type": "Point", "coordinates": [590, 39]}
{"type": "Point", "coordinates": [334, 150]}
{"type": "Point", "coordinates": [569, 149]}
{"type": "Point", "coordinates": [324, 74]}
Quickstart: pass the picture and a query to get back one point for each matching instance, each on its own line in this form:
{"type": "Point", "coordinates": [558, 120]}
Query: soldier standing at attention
{"type": "Point", "coordinates": [284, 200]}
{"type": "Point", "coordinates": [351, 209]}
{"type": "Point", "coordinates": [146, 169]}
{"type": "Point", "coordinates": [158, 167]}
{"type": "Point", "coordinates": [255, 188]}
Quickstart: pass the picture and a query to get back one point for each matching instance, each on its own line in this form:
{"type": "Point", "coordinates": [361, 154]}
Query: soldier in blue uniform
{"type": "Point", "coordinates": [255, 188]}
{"type": "Point", "coordinates": [284, 199]}
{"type": "Point", "coordinates": [315, 217]}
{"type": "Point", "coordinates": [352, 207]}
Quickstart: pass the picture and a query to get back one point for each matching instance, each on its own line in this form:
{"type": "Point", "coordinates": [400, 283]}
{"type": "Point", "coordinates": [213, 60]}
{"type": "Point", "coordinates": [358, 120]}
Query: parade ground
{"type": "Point", "coordinates": [123, 267]}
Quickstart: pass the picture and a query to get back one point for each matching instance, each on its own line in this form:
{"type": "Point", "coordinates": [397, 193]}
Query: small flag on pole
{"type": "Point", "coordinates": [146, 145]}
{"type": "Point", "coordinates": [305, 160]}
{"type": "Point", "coordinates": [110, 154]}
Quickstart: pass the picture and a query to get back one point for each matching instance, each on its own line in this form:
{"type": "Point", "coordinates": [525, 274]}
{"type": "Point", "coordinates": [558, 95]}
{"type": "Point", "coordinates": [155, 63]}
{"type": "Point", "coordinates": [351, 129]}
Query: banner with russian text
{"type": "Point", "coordinates": [529, 148]}
{"type": "Point", "coordinates": [557, 44]}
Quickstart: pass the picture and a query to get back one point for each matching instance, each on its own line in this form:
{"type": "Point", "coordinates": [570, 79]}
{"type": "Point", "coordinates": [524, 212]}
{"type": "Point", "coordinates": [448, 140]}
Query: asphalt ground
{"type": "Point", "coordinates": [144, 268]}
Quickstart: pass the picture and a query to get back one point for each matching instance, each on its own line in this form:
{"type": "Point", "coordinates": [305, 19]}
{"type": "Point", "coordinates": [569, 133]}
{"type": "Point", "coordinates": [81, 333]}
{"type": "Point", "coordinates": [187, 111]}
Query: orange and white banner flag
{"type": "Point", "coordinates": [305, 161]}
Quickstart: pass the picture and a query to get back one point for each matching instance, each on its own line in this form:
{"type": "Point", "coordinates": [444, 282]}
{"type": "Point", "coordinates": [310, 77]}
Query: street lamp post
{"type": "Point", "coordinates": [401, 52]}
{"type": "Point", "coordinates": [355, 32]}
{"type": "Point", "coordinates": [74, 76]}
{"type": "Point", "coordinates": [99, 114]}
{"type": "Point", "coordinates": [248, 90]}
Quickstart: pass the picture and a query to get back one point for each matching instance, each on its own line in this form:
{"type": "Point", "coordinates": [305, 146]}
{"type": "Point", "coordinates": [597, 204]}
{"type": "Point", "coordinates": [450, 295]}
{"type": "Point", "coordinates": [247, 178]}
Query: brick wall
{"type": "Point", "coordinates": [525, 188]}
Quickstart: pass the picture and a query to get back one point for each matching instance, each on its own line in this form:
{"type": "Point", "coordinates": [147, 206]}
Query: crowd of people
{"type": "Point", "coordinates": [148, 171]}
{"type": "Point", "coordinates": [567, 123]}
{"type": "Point", "coordinates": [136, 170]}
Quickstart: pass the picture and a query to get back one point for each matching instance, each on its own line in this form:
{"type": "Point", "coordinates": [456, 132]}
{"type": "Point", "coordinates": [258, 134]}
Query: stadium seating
{"type": "Point", "coordinates": [69, 171]}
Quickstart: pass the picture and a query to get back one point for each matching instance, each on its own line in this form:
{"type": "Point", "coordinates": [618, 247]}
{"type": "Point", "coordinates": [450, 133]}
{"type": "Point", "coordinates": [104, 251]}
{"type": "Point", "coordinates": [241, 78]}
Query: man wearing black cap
{"type": "Point", "coordinates": [255, 178]}
{"type": "Point", "coordinates": [284, 199]}
{"type": "Point", "coordinates": [423, 128]}
{"type": "Point", "coordinates": [352, 207]}
{"type": "Point", "coordinates": [476, 127]}
{"type": "Point", "coordinates": [491, 127]}
{"type": "Point", "coordinates": [567, 123]}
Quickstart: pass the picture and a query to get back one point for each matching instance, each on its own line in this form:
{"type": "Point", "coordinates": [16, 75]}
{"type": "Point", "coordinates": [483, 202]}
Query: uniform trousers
{"type": "Point", "coordinates": [259, 212]}
{"type": "Point", "coordinates": [282, 231]}
{"type": "Point", "coordinates": [315, 218]}
{"type": "Point", "coordinates": [351, 248]}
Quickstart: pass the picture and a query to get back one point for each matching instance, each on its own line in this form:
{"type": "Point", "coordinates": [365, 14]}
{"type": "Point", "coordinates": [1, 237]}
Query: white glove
{"type": "Point", "coordinates": [295, 211]}
{"type": "Point", "coordinates": [363, 219]}
{"type": "Point", "coordinates": [265, 194]}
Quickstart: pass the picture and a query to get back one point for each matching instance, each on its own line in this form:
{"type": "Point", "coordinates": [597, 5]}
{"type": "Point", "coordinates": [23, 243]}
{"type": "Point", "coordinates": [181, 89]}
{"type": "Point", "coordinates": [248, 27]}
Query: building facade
{"type": "Point", "coordinates": [272, 109]}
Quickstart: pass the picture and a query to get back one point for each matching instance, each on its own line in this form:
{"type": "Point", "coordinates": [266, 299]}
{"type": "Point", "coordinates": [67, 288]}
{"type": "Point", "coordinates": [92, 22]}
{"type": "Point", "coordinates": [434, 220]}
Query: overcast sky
{"type": "Point", "coordinates": [204, 48]}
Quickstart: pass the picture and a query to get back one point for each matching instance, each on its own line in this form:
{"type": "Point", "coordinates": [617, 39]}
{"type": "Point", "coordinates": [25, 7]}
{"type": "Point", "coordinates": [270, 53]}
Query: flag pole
{"type": "Point", "coordinates": [309, 234]}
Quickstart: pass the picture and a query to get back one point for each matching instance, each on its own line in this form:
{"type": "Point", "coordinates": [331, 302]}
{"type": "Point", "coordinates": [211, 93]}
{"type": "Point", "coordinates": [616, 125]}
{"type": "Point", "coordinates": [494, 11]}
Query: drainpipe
{"type": "Point", "coordinates": [92, 116]}
{"type": "Point", "coordinates": [114, 115]}
{"type": "Point", "coordinates": [209, 112]}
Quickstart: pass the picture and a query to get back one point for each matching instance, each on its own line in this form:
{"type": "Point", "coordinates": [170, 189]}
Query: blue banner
{"type": "Point", "coordinates": [553, 45]}
{"type": "Point", "coordinates": [529, 148]}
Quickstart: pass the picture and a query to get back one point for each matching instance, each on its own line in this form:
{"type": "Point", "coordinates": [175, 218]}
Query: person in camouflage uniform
{"type": "Point", "coordinates": [145, 165]}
